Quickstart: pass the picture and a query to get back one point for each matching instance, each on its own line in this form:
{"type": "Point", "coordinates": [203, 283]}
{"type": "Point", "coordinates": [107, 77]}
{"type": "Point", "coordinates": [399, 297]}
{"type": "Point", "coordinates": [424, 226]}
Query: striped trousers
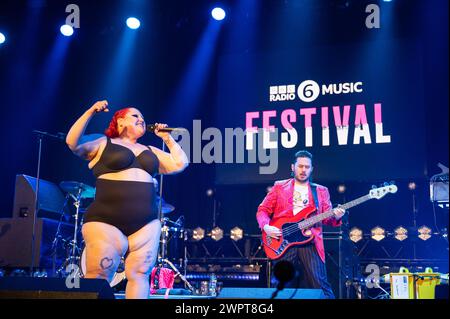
{"type": "Point", "coordinates": [310, 269]}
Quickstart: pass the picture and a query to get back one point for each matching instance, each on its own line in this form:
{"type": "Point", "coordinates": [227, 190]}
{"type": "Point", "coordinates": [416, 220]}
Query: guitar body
{"type": "Point", "coordinates": [292, 234]}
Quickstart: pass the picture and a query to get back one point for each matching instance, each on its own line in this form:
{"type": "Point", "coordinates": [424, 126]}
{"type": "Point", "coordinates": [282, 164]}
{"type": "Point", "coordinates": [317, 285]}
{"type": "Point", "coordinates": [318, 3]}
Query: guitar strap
{"type": "Point", "coordinates": [314, 193]}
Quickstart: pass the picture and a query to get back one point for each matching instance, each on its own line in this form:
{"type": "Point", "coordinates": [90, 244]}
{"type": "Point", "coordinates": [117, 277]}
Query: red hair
{"type": "Point", "coordinates": [112, 130]}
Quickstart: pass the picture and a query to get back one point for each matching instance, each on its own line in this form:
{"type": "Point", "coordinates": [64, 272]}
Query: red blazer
{"type": "Point", "coordinates": [278, 203]}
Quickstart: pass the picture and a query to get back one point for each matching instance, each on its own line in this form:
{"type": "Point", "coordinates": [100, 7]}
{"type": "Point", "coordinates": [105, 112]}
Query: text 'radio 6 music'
{"type": "Point", "coordinates": [309, 90]}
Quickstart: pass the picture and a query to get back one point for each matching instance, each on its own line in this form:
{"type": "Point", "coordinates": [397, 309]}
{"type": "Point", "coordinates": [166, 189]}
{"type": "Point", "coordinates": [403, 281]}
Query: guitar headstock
{"type": "Point", "coordinates": [380, 192]}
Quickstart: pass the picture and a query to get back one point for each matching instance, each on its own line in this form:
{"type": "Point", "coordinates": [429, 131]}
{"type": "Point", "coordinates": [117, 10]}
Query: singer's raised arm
{"type": "Point", "coordinates": [173, 162]}
{"type": "Point", "coordinates": [86, 146]}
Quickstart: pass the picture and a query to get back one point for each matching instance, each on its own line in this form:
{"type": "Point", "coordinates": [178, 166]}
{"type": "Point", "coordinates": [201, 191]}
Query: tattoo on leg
{"type": "Point", "coordinates": [148, 258]}
{"type": "Point", "coordinates": [106, 263]}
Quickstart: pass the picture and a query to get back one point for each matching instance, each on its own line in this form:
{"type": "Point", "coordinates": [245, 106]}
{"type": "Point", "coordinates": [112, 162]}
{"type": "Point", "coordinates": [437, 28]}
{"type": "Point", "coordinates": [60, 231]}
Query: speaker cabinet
{"type": "Point", "coordinates": [16, 241]}
{"type": "Point", "coordinates": [340, 261]}
{"type": "Point", "coordinates": [53, 288]}
{"type": "Point", "coordinates": [266, 293]}
{"type": "Point", "coordinates": [51, 198]}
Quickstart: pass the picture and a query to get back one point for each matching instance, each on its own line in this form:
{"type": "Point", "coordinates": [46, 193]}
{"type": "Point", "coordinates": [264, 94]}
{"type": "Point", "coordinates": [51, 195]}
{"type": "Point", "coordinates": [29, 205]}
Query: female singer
{"type": "Point", "coordinates": [123, 219]}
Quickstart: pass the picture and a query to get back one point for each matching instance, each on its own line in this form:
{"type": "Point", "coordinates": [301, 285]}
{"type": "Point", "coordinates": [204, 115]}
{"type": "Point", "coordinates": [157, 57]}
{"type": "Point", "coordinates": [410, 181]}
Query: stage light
{"type": "Point", "coordinates": [355, 234]}
{"type": "Point", "coordinates": [217, 234]}
{"type": "Point", "coordinates": [66, 30]}
{"type": "Point", "coordinates": [198, 234]}
{"type": "Point", "coordinates": [133, 23]}
{"type": "Point", "coordinates": [424, 232]}
{"type": "Point", "coordinates": [236, 234]}
{"type": "Point", "coordinates": [400, 233]}
{"type": "Point", "coordinates": [218, 14]}
{"type": "Point", "coordinates": [341, 189]}
{"type": "Point", "coordinates": [378, 233]}
{"type": "Point", "coordinates": [2, 38]}
{"type": "Point", "coordinates": [209, 192]}
{"type": "Point", "coordinates": [412, 186]}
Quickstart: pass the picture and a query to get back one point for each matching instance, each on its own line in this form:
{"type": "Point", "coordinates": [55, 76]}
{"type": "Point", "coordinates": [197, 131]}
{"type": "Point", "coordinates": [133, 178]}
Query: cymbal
{"type": "Point", "coordinates": [166, 207]}
{"type": "Point", "coordinates": [74, 188]}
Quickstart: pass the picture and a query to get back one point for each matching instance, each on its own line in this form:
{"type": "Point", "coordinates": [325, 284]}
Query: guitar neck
{"type": "Point", "coordinates": [355, 202]}
{"type": "Point", "coordinates": [318, 218]}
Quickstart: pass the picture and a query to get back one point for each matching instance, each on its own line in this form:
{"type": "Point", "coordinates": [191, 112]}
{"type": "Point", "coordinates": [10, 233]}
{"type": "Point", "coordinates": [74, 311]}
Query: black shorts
{"type": "Point", "coordinates": [127, 205]}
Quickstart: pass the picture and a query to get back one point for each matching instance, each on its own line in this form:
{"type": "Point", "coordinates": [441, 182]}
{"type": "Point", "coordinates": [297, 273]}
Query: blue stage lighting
{"type": "Point", "coordinates": [133, 23]}
{"type": "Point", "coordinates": [218, 14]}
{"type": "Point", "coordinates": [66, 30]}
{"type": "Point", "coordinates": [2, 38]}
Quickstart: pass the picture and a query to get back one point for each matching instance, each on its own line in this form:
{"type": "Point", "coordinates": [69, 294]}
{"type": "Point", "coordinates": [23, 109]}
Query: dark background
{"type": "Point", "coordinates": [170, 72]}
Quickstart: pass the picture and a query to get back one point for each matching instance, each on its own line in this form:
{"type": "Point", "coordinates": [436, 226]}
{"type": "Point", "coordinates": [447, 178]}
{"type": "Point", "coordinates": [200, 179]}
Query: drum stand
{"type": "Point", "coordinates": [162, 260]}
{"type": "Point", "coordinates": [177, 273]}
{"type": "Point", "coordinates": [58, 236]}
{"type": "Point", "coordinates": [71, 260]}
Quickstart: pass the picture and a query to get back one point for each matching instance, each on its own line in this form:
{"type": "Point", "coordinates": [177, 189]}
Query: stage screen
{"type": "Point", "coordinates": [359, 109]}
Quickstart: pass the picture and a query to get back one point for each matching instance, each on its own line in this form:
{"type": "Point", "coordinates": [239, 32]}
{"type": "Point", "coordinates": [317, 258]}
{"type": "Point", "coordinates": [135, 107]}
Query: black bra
{"type": "Point", "coordinates": [116, 158]}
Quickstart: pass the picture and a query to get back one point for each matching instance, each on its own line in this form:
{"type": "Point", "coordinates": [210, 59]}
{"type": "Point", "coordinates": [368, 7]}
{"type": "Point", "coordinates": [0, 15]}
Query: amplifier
{"type": "Point", "coordinates": [439, 185]}
{"type": "Point", "coordinates": [439, 188]}
{"type": "Point", "coordinates": [16, 241]}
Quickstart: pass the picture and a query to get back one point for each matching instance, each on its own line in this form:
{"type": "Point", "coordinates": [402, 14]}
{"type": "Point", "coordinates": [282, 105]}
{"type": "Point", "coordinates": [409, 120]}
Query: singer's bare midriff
{"type": "Point", "coordinates": [130, 174]}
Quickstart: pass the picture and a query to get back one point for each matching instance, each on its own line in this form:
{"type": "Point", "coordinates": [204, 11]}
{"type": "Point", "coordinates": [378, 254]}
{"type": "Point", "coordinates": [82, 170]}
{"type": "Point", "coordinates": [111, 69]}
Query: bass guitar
{"type": "Point", "coordinates": [295, 230]}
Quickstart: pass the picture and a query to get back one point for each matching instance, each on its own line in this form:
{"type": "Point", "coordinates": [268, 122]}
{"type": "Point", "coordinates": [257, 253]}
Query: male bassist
{"type": "Point", "coordinates": [288, 198]}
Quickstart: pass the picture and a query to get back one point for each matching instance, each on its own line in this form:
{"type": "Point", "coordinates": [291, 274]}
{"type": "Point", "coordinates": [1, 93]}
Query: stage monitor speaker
{"type": "Point", "coordinates": [51, 198]}
{"type": "Point", "coordinates": [53, 288]}
{"type": "Point", "coordinates": [341, 263]}
{"type": "Point", "coordinates": [266, 293]}
{"type": "Point", "coordinates": [16, 241]}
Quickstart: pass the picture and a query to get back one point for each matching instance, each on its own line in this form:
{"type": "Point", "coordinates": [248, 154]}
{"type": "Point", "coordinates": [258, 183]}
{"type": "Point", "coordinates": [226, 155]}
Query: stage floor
{"type": "Point", "coordinates": [122, 296]}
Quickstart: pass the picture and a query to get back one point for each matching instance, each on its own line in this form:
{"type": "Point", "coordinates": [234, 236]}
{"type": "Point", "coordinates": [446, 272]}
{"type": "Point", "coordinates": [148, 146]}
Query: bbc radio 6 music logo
{"type": "Point", "coordinates": [309, 90]}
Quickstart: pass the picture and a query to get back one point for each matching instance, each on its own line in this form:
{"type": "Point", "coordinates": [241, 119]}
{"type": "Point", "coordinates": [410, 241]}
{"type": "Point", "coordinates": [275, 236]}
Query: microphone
{"type": "Point", "coordinates": [284, 272]}
{"type": "Point", "coordinates": [152, 127]}
{"type": "Point", "coordinates": [61, 135]}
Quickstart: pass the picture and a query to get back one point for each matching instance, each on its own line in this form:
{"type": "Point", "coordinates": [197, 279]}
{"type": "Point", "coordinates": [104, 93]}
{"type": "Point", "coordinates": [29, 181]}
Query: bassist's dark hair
{"type": "Point", "coordinates": [303, 153]}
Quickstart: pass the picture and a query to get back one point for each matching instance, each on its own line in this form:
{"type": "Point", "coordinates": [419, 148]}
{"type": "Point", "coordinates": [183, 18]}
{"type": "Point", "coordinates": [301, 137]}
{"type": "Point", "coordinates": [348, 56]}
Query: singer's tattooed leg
{"type": "Point", "coordinates": [105, 245]}
{"type": "Point", "coordinates": [141, 259]}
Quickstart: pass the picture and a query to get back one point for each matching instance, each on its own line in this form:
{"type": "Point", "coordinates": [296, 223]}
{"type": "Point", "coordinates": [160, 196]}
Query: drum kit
{"type": "Point", "coordinates": [172, 243]}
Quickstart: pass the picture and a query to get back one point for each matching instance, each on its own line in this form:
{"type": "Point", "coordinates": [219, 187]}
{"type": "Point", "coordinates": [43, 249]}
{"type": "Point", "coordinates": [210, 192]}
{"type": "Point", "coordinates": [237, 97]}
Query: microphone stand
{"type": "Point", "coordinates": [163, 259]}
{"type": "Point", "coordinates": [160, 215]}
{"type": "Point", "coordinates": [40, 136]}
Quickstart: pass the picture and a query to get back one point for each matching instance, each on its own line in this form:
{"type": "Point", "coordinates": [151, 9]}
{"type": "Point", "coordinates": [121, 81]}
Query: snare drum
{"type": "Point", "coordinates": [119, 276]}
